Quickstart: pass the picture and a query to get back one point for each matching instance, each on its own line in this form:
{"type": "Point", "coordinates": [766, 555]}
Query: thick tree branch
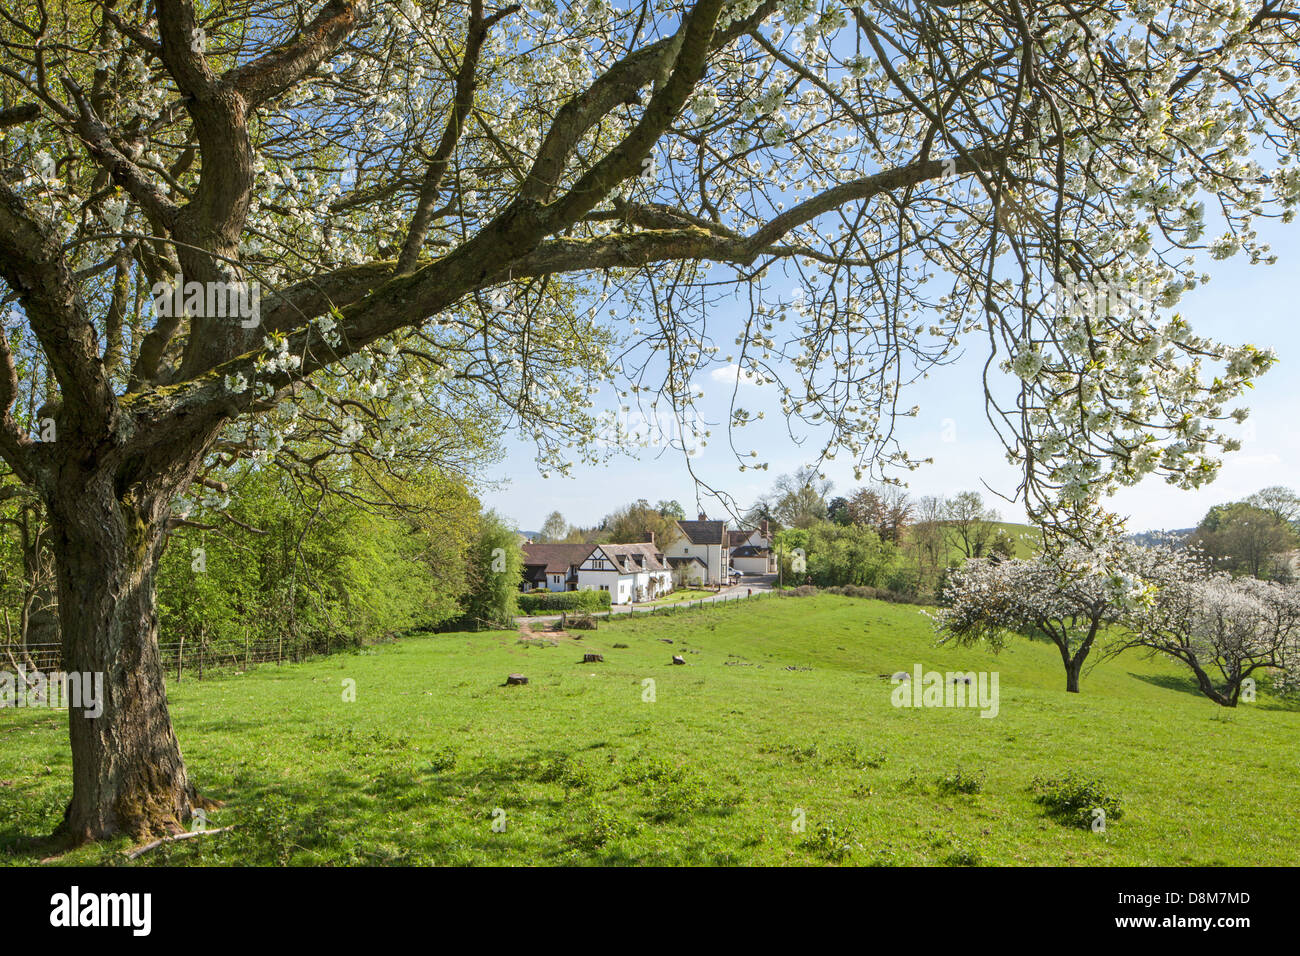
{"type": "Point", "coordinates": [32, 262]}
{"type": "Point", "coordinates": [273, 73]}
{"type": "Point", "coordinates": [617, 86]}
{"type": "Point", "coordinates": [156, 205]}
{"type": "Point", "coordinates": [17, 115]}
{"type": "Point", "coordinates": [461, 105]}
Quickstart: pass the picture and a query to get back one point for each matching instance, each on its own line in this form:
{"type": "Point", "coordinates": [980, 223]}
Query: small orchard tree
{"type": "Point", "coordinates": [1067, 596]}
{"type": "Point", "coordinates": [1224, 629]}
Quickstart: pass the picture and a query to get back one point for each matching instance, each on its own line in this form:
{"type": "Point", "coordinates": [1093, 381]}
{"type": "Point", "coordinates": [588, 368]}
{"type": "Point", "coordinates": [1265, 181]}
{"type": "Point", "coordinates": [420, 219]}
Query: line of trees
{"type": "Point", "coordinates": [625, 525]}
{"type": "Point", "coordinates": [916, 539]}
{"type": "Point", "coordinates": [1226, 630]}
{"type": "Point", "coordinates": [1253, 537]}
{"type": "Point", "coordinates": [312, 567]}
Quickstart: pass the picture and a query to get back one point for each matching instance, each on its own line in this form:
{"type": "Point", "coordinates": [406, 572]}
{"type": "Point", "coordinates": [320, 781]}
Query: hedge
{"type": "Point", "coordinates": [862, 591]}
{"type": "Point", "coordinates": [556, 601]}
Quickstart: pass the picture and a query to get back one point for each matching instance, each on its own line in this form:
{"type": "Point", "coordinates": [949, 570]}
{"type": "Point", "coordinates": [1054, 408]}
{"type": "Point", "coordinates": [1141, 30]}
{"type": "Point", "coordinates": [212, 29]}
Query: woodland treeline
{"type": "Point", "coordinates": [309, 565]}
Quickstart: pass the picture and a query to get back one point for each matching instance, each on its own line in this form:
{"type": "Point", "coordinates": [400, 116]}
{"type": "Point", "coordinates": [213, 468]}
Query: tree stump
{"type": "Point", "coordinates": [516, 679]}
{"type": "Point", "coordinates": [593, 659]}
{"type": "Point", "coordinates": [678, 659]}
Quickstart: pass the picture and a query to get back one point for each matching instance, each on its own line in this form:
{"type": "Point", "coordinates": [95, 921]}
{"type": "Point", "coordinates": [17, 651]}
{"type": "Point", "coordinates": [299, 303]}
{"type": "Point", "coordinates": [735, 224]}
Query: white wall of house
{"type": "Point", "coordinates": [713, 556]}
{"type": "Point", "coordinates": [690, 574]}
{"type": "Point", "coordinates": [751, 565]}
{"type": "Point", "coordinates": [621, 587]}
{"type": "Point", "coordinates": [598, 573]}
{"type": "Point", "coordinates": [758, 565]}
{"type": "Point", "coordinates": [656, 584]}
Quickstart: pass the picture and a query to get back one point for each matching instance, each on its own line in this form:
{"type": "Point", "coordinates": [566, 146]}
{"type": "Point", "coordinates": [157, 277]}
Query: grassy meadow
{"type": "Point", "coordinates": [780, 709]}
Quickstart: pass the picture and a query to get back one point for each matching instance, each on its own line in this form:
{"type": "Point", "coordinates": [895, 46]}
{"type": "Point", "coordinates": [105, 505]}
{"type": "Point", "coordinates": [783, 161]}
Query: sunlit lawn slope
{"type": "Point", "coordinates": [780, 708]}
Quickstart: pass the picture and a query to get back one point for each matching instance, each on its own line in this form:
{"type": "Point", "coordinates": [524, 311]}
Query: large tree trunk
{"type": "Point", "coordinates": [1074, 663]}
{"type": "Point", "coordinates": [1224, 698]}
{"type": "Point", "coordinates": [1072, 670]}
{"type": "Point", "coordinates": [128, 774]}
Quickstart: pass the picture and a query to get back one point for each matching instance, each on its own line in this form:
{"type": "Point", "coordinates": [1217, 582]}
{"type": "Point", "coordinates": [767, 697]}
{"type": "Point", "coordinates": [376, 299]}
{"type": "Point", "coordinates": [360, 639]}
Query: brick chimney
{"type": "Point", "coordinates": [648, 537]}
{"type": "Point", "coordinates": [763, 529]}
{"type": "Point", "coordinates": [703, 516]}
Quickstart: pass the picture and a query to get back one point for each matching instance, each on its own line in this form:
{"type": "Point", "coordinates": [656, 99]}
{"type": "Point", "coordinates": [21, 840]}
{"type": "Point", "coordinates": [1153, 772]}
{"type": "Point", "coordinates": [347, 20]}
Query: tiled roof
{"type": "Point", "coordinates": [624, 557]}
{"type": "Point", "coordinates": [556, 558]}
{"type": "Point", "coordinates": [704, 532]}
{"type": "Point", "coordinates": [678, 561]}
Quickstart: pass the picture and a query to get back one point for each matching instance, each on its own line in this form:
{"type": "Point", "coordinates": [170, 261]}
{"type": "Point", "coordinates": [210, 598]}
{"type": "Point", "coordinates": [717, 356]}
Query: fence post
{"type": "Point", "coordinates": [180, 653]}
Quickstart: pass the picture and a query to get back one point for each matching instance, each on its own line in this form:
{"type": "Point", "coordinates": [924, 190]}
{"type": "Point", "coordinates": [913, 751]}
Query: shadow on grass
{"type": "Point", "coordinates": [372, 799]}
{"type": "Point", "coordinates": [29, 817]}
{"type": "Point", "coordinates": [1188, 685]}
{"type": "Point", "coordinates": [1183, 685]}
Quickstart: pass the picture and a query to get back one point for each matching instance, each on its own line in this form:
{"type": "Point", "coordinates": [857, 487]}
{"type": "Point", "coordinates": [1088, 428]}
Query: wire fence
{"type": "Point", "coordinates": [181, 658]}
{"type": "Point", "coordinates": [178, 657]}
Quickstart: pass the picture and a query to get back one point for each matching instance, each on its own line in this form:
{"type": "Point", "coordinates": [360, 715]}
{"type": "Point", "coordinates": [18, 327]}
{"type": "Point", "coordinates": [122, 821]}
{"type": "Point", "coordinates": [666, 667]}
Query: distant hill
{"type": "Point", "coordinates": [1025, 538]}
{"type": "Point", "coordinates": [1149, 539]}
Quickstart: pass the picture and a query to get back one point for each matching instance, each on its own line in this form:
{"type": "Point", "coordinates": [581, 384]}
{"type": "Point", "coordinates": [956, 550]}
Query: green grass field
{"type": "Point", "coordinates": [677, 595]}
{"type": "Point", "coordinates": [780, 708]}
{"type": "Point", "coordinates": [1024, 537]}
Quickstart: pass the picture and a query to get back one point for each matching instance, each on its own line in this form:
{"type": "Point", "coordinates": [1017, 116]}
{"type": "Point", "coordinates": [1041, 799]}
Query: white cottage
{"type": "Point", "coordinates": [629, 572]}
{"type": "Point", "coordinates": [751, 551]}
{"type": "Point", "coordinates": [706, 541]}
{"type": "Point", "coordinates": [552, 567]}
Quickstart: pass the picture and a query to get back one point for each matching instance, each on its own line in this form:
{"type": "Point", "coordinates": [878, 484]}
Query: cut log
{"type": "Point", "coordinates": [678, 659]}
{"type": "Point", "coordinates": [515, 679]}
{"type": "Point", "coordinates": [592, 659]}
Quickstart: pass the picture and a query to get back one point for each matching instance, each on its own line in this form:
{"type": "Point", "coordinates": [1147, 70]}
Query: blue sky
{"type": "Point", "coordinates": [1242, 303]}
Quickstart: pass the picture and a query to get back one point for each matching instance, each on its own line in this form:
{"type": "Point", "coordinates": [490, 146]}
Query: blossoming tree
{"type": "Point", "coordinates": [1224, 629]}
{"type": "Point", "coordinates": [544, 202]}
{"type": "Point", "coordinates": [1068, 595]}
